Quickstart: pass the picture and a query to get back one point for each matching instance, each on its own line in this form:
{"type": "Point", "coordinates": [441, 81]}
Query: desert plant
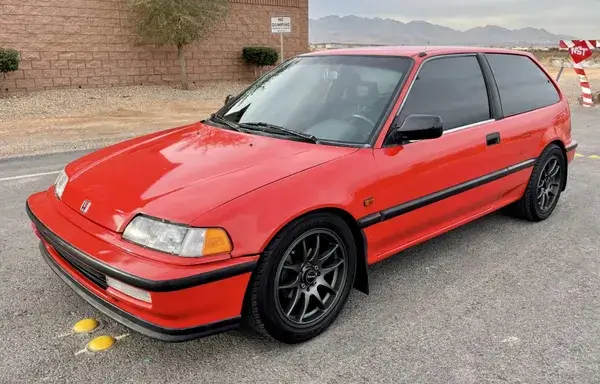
{"type": "Point", "coordinates": [176, 22]}
{"type": "Point", "coordinates": [260, 57]}
{"type": "Point", "coordinates": [9, 60]}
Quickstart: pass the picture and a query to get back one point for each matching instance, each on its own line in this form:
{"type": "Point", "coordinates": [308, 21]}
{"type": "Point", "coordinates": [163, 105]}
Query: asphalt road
{"type": "Point", "coordinates": [497, 301]}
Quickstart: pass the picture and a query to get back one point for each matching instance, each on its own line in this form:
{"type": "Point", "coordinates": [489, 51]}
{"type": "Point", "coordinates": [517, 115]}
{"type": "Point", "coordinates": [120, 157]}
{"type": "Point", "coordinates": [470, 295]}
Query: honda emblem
{"type": "Point", "coordinates": [85, 206]}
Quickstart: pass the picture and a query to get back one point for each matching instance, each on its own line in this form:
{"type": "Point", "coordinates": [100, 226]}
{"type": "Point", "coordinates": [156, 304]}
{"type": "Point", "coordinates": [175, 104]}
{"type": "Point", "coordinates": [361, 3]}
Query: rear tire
{"type": "Point", "coordinates": [303, 279]}
{"type": "Point", "coordinates": [544, 187]}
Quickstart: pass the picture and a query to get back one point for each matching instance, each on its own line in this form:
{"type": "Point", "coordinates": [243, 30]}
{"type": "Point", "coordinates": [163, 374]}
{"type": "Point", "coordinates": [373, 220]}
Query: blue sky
{"type": "Point", "coordinates": [579, 18]}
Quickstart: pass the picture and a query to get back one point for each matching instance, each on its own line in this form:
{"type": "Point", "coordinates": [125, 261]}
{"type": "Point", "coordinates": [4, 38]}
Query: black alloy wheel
{"type": "Point", "coordinates": [544, 187]}
{"type": "Point", "coordinates": [310, 276]}
{"type": "Point", "coordinates": [303, 279]}
{"type": "Point", "coordinates": [548, 187]}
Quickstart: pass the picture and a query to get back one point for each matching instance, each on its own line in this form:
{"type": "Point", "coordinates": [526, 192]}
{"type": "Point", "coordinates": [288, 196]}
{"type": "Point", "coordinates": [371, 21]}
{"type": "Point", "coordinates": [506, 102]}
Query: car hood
{"type": "Point", "coordinates": [183, 173]}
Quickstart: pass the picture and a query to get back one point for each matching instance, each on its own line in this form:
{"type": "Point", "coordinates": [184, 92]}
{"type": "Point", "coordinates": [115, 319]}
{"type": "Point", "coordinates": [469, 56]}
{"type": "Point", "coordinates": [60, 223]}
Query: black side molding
{"type": "Point", "coordinates": [141, 326]}
{"type": "Point", "coordinates": [421, 202]}
{"type": "Point", "coordinates": [371, 219]}
{"type": "Point", "coordinates": [136, 281]}
{"type": "Point", "coordinates": [572, 146]}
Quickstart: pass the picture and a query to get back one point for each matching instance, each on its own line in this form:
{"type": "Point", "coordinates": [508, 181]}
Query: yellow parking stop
{"type": "Point", "coordinates": [101, 343]}
{"type": "Point", "coordinates": [85, 325]}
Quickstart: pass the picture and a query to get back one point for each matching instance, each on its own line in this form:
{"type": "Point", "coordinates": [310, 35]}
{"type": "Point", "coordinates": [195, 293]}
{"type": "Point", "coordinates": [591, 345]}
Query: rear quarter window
{"type": "Point", "coordinates": [522, 84]}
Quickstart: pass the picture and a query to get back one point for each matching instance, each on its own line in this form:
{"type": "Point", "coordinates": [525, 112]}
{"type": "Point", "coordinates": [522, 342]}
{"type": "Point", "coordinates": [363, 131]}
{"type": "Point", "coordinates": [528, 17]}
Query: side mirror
{"type": "Point", "coordinates": [228, 99]}
{"type": "Point", "coordinates": [415, 127]}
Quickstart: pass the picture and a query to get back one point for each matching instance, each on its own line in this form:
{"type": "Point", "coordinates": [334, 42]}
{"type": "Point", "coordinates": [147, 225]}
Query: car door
{"type": "Point", "coordinates": [429, 186]}
{"type": "Point", "coordinates": [524, 90]}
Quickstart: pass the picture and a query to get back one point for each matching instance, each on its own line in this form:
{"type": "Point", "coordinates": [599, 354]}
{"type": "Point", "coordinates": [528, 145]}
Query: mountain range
{"type": "Point", "coordinates": [360, 30]}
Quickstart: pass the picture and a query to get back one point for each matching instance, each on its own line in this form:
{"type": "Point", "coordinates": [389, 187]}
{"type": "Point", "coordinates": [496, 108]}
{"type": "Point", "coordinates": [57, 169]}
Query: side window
{"type": "Point", "coordinates": [452, 88]}
{"type": "Point", "coordinates": [523, 86]}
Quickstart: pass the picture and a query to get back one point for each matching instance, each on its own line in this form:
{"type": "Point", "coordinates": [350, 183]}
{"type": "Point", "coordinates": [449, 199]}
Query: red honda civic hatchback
{"type": "Point", "coordinates": [270, 211]}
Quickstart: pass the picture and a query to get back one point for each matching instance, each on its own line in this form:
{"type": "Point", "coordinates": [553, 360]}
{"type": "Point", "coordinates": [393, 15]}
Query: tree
{"type": "Point", "coordinates": [176, 22]}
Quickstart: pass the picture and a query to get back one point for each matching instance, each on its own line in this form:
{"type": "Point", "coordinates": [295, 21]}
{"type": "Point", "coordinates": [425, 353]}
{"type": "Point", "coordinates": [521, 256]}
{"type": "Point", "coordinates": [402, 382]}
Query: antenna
{"type": "Point", "coordinates": [424, 53]}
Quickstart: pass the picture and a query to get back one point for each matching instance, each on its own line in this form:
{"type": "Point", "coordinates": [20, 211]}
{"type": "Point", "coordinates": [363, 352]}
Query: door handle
{"type": "Point", "coordinates": [493, 138]}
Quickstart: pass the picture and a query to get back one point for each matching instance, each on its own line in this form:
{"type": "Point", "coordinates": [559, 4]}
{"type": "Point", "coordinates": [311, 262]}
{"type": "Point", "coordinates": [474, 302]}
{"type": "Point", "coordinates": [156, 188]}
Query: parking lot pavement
{"type": "Point", "coordinates": [497, 301]}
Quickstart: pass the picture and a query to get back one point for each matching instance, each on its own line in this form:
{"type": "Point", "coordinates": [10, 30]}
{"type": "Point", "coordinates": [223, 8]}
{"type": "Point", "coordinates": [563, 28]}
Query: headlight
{"type": "Point", "coordinates": [60, 184]}
{"type": "Point", "coordinates": [177, 239]}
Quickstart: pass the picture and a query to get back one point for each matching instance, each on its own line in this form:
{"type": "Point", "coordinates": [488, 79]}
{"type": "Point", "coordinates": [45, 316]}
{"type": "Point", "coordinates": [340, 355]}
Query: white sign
{"type": "Point", "coordinates": [281, 24]}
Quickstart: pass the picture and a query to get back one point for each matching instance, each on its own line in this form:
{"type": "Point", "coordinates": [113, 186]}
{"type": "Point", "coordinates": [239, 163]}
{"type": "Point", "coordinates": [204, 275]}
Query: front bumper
{"type": "Point", "coordinates": [182, 308]}
{"type": "Point", "coordinates": [132, 322]}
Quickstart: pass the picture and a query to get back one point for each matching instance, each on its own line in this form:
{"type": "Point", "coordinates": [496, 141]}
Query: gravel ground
{"type": "Point", "coordinates": [78, 102]}
{"type": "Point", "coordinates": [75, 119]}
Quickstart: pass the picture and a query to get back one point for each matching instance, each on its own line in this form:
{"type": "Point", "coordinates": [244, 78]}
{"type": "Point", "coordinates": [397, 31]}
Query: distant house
{"type": "Point", "coordinates": [532, 48]}
{"type": "Point", "coordinates": [327, 46]}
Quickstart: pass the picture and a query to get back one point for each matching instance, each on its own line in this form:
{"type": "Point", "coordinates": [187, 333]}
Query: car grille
{"type": "Point", "coordinates": [95, 277]}
{"type": "Point", "coordinates": [91, 274]}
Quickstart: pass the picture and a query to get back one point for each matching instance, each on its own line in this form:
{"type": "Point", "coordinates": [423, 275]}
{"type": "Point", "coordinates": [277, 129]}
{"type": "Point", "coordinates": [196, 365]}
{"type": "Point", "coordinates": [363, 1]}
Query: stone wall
{"type": "Point", "coordinates": [87, 43]}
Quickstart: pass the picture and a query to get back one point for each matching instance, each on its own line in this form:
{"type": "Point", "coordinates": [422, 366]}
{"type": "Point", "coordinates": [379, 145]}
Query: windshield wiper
{"type": "Point", "coordinates": [216, 117]}
{"type": "Point", "coordinates": [272, 127]}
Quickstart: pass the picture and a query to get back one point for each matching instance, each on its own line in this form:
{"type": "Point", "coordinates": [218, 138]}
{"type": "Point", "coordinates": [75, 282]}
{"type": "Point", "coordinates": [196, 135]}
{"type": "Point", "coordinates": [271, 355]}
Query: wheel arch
{"type": "Point", "coordinates": [361, 280]}
{"type": "Point", "coordinates": [563, 148]}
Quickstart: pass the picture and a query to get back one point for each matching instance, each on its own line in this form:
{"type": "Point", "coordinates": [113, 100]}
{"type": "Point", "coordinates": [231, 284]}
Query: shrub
{"type": "Point", "coordinates": [9, 60]}
{"type": "Point", "coordinates": [260, 57]}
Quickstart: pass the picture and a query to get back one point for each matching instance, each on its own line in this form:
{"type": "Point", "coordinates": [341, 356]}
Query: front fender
{"type": "Point", "coordinates": [252, 220]}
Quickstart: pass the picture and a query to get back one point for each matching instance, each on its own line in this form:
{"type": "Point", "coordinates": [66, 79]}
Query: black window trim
{"type": "Point", "coordinates": [491, 74]}
{"type": "Point", "coordinates": [390, 107]}
{"type": "Point", "coordinates": [490, 86]}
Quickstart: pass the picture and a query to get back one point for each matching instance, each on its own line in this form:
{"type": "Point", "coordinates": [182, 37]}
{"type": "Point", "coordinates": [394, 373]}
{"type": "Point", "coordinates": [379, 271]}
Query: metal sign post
{"type": "Point", "coordinates": [560, 71]}
{"type": "Point", "coordinates": [281, 25]}
{"type": "Point", "coordinates": [281, 51]}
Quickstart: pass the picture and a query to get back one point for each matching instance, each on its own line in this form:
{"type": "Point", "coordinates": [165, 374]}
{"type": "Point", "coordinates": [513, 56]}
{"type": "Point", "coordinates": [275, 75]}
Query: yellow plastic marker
{"type": "Point", "coordinates": [100, 343]}
{"type": "Point", "coordinates": [595, 157]}
{"type": "Point", "coordinates": [85, 326]}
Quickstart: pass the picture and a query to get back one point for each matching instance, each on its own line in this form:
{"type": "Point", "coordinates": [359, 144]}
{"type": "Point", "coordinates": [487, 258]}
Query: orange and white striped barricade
{"type": "Point", "coordinates": [581, 50]}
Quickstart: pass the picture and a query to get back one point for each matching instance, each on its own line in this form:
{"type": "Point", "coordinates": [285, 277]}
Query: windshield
{"type": "Point", "coordinates": [331, 98]}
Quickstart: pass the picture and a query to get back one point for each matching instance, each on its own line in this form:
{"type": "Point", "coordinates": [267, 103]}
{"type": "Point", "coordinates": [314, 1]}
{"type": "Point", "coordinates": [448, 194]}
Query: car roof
{"type": "Point", "coordinates": [412, 50]}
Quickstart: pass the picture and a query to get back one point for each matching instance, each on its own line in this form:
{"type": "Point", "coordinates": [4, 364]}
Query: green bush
{"type": "Point", "coordinates": [260, 56]}
{"type": "Point", "coordinates": [9, 60]}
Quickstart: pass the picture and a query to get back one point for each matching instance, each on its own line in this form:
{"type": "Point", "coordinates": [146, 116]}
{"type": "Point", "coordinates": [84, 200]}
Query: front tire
{"type": "Point", "coordinates": [303, 279]}
{"type": "Point", "coordinates": [544, 187]}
